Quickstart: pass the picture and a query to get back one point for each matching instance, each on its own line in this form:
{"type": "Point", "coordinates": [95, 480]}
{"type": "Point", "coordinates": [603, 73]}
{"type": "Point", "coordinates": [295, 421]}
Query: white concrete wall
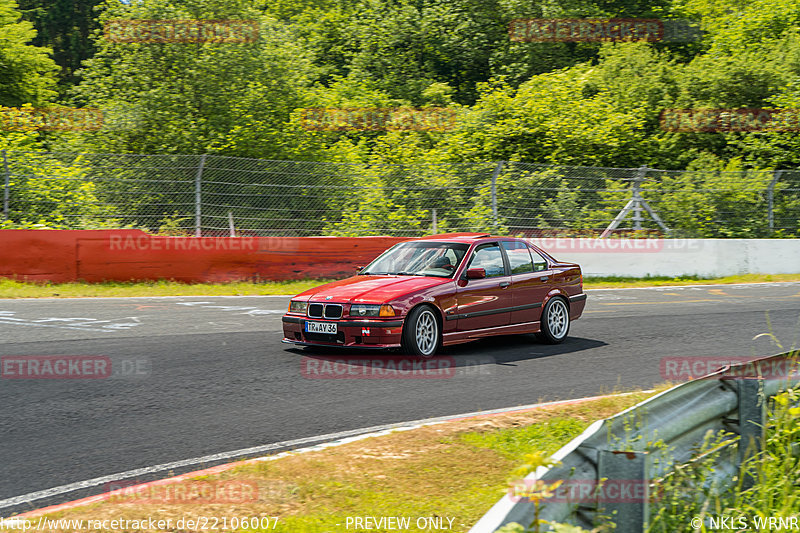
{"type": "Point", "coordinates": [676, 257]}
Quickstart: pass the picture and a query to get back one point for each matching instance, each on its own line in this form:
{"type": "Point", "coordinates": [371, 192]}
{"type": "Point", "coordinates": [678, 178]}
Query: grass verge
{"type": "Point", "coordinates": [455, 470]}
{"type": "Point", "coordinates": [18, 289]}
{"type": "Point", "coordinates": [613, 282]}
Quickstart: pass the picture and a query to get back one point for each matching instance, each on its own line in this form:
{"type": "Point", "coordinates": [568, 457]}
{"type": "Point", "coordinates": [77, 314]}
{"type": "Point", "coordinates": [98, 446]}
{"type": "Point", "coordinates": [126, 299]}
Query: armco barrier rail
{"type": "Point", "coordinates": [620, 449]}
{"type": "Point", "coordinates": [124, 255]}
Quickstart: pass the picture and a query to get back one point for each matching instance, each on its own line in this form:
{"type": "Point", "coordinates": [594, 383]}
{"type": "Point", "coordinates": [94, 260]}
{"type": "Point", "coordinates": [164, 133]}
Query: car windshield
{"type": "Point", "coordinates": [439, 259]}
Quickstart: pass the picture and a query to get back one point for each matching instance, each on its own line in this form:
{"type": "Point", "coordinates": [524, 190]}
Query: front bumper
{"type": "Point", "coordinates": [351, 333]}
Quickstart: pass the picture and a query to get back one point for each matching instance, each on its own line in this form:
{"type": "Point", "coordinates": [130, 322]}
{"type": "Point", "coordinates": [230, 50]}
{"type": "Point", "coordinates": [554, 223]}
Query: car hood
{"type": "Point", "coordinates": [370, 289]}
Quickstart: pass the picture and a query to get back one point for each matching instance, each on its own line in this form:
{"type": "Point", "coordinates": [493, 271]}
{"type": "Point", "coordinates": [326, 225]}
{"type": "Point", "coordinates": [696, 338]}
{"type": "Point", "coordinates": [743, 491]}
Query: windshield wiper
{"type": "Point", "coordinates": [410, 273]}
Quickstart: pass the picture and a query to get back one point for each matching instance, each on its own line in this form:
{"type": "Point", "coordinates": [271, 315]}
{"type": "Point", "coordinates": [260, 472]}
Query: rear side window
{"type": "Point", "coordinates": [539, 262]}
{"type": "Point", "coordinates": [490, 258]}
{"type": "Point", "coordinates": [518, 257]}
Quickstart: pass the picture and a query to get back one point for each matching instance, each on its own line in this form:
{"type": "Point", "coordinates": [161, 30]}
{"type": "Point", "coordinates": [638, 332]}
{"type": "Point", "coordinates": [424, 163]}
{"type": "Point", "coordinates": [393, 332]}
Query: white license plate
{"type": "Point", "coordinates": [321, 327]}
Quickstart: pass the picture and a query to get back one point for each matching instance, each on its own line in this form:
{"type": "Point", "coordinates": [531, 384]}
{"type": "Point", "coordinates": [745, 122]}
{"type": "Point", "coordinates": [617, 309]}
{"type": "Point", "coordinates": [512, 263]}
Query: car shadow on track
{"type": "Point", "coordinates": [509, 348]}
{"type": "Point", "coordinates": [498, 350]}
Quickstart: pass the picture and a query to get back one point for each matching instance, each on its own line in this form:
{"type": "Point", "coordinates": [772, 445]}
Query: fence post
{"type": "Point", "coordinates": [770, 200]}
{"type": "Point", "coordinates": [198, 198]}
{"type": "Point", "coordinates": [495, 175]}
{"type": "Point", "coordinates": [231, 227]}
{"type": "Point", "coordinates": [637, 198]}
{"type": "Point", "coordinates": [7, 181]}
{"type": "Point", "coordinates": [632, 470]}
{"type": "Point", "coordinates": [752, 418]}
{"type": "Point", "coordinates": [435, 221]}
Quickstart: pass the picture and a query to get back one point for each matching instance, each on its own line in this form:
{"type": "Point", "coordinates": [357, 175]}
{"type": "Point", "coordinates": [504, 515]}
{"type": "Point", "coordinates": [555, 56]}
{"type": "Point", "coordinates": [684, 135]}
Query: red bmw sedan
{"type": "Point", "coordinates": [440, 290]}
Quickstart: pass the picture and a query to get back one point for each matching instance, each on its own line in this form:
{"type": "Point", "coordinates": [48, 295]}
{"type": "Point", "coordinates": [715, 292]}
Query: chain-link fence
{"type": "Point", "coordinates": [218, 195]}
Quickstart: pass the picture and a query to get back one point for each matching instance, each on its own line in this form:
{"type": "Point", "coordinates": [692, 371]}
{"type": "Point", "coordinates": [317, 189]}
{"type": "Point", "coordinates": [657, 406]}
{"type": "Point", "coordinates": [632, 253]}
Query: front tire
{"type": "Point", "coordinates": [421, 336]}
{"type": "Point", "coordinates": [555, 321]}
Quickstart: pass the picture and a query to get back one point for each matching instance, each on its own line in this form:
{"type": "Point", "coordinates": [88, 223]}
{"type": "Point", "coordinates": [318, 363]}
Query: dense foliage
{"type": "Point", "coordinates": [573, 103]}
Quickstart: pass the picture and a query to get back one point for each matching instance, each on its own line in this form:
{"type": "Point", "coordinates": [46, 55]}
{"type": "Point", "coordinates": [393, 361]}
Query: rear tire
{"type": "Point", "coordinates": [421, 336]}
{"type": "Point", "coordinates": [555, 321]}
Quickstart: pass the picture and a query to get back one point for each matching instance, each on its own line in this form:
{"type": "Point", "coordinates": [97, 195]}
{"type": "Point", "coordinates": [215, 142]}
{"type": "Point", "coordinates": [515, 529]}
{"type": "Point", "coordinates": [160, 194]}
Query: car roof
{"type": "Point", "coordinates": [464, 237]}
{"type": "Point", "coordinates": [469, 238]}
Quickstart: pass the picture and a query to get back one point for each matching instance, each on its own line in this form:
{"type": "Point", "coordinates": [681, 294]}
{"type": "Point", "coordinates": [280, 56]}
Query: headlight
{"type": "Point", "coordinates": [298, 307]}
{"type": "Point", "coordinates": [365, 310]}
{"type": "Point", "coordinates": [371, 310]}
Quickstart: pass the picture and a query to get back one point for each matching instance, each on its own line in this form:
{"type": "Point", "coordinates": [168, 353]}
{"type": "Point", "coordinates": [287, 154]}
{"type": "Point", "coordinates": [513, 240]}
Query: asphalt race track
{"type": "Point", "coordinates": [194, 376]}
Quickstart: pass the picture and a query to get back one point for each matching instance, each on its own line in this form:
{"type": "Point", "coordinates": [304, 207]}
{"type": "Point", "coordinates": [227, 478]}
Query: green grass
{"type": "Point", "coordinates": [514, 443]}
{"type": "Point", "coordinates": [20, 289]}
{"type": "Point", "coordinates": [17, 289]}
{"type": "Point", "coordinates": [657, 281]}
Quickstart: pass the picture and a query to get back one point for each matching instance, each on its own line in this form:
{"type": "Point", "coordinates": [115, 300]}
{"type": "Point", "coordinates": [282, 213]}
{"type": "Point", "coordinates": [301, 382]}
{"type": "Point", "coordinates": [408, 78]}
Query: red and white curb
{"type": "Point", "coordinates": [323, 441]}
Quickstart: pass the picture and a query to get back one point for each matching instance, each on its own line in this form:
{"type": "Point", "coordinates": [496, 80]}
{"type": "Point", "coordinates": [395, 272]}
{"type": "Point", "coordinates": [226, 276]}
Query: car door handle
{"type": "Point", "coordinates": [544, 278]}
{"type": "Point", "coordinates": [504, 284]}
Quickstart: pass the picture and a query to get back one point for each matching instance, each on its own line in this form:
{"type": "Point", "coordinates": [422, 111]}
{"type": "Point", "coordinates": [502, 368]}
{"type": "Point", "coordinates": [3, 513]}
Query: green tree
{"type": "Point", "coordinates": [195, 97]}
{"type": "Point", "coordinates": [44, 191]}
{"type": "Point", "coordinates": [549, 119]}
{"type": "Point", "coordinates": [66, 27]}
{"type": "Point", "coordinates": [750, 58]}
{"type": "Point", "coordinates": [26, 71]}
{"type": "Point", "coordinates": [406, 45]}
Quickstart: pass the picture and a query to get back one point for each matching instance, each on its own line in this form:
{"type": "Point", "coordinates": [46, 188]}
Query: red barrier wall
{"type": "Point", "coordinates": [123, 255]}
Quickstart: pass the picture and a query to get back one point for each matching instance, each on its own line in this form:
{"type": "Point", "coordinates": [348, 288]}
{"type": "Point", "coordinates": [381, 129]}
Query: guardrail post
{"type": "Point", "coordinates": [198, 208]}
{"type": "Point", "coordinates": [752, 420]}
{"type": "Point", "coordinates": [6, 187]}
{"type": "Point", "coordinates": [625, 492]}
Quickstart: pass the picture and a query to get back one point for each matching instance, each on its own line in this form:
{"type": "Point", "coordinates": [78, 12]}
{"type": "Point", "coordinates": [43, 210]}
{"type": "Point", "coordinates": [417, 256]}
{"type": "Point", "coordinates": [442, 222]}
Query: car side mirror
{"type": "Point", "coordinates": [476, 273]}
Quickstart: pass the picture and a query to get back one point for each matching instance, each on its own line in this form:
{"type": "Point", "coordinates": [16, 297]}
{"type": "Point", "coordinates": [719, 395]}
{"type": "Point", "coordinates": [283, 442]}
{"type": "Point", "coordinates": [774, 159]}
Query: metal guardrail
{"type": "Point", "coordinates": [623, 447]}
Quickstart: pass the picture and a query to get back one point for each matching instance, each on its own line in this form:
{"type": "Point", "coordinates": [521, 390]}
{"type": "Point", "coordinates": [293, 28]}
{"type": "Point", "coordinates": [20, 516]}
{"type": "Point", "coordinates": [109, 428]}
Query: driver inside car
{"type": "Point", "coordinates": [443, 262]}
